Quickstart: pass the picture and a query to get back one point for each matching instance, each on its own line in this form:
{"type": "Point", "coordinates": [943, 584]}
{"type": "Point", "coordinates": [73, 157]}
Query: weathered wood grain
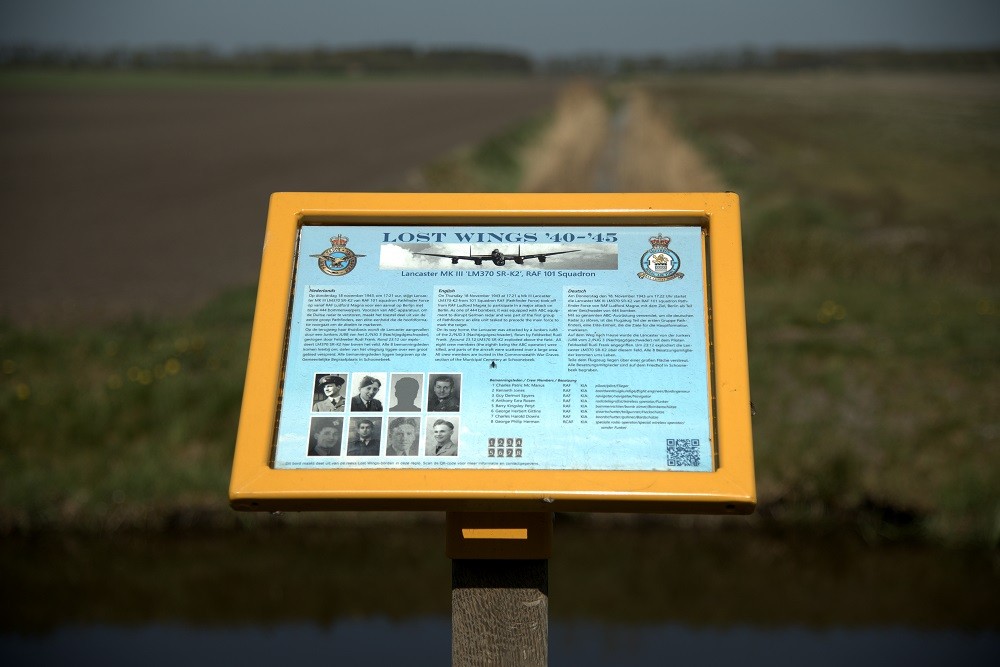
{"type": "Point", "coordinates": [499, 612]}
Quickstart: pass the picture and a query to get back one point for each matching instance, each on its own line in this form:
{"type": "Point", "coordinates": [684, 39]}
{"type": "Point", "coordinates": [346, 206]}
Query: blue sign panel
{"type": "Point", "coordinates": [549, 348]}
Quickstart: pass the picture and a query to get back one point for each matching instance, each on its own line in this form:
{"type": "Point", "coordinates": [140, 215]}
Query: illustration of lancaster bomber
{"type": "Point", "coordinates": [497, 257]}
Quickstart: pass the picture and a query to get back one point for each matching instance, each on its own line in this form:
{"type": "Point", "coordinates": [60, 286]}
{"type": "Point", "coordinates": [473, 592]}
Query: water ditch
{"type": "Point", "coordinates": [367, 594]}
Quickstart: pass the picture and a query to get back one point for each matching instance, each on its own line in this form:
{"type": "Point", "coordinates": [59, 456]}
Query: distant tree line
{"type": "Point", "coordinates": [411, 60]}
{"type": "Point", "coordinates": [374, 60]}
{"type": "Point", "coordinates": [782, 60]}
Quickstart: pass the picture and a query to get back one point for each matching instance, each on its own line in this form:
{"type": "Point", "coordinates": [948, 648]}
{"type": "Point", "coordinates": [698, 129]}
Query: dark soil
{"type": "Point", "coordinates": [115, 202]}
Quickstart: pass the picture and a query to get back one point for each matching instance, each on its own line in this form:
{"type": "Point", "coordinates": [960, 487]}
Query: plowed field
{"type": "Point", "coordinates": [117, 201]}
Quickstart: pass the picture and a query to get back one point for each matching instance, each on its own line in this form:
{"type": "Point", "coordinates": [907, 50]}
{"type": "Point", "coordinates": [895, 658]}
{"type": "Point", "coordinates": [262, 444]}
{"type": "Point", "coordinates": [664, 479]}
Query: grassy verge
{"type": "Point", "coordinates": [495, 165]}
{"type": "Point", "coordinates": [871, 211]}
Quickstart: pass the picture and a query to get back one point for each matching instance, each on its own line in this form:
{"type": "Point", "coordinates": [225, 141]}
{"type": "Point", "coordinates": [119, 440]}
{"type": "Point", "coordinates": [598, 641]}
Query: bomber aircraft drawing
{"type": "Point", "coordinates": [497, 257]}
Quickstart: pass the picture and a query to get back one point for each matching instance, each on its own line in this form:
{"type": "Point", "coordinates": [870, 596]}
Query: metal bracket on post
{"type": "Point", "coordinates": [499, 535]}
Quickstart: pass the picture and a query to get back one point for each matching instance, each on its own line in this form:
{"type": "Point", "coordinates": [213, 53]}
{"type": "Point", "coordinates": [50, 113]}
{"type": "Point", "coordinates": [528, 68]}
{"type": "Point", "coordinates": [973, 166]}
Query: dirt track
{"type": "Point", "coordinates": [635, 149]}
{"type": "Point", "coordinates": [113, 201]}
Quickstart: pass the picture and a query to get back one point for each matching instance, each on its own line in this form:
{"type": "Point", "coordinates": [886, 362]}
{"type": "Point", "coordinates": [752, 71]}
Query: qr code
{"type": "Point", "coordinates": [683, 453]}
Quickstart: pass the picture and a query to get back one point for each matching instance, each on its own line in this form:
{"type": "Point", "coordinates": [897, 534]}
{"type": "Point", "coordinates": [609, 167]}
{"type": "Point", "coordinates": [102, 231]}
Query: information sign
{"type": "Point", "coordinates": [549, 352]}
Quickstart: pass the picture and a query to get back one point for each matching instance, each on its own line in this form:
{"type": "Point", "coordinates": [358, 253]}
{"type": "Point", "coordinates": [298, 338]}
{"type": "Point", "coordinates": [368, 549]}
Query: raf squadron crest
{"type": "Point", "coordinates": [338, 259]}
{"type": "Point", "coordinates": [660, 262]}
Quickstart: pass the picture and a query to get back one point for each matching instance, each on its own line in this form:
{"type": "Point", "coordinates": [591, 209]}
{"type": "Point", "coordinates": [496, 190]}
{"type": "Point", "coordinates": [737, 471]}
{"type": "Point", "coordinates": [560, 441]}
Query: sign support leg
{"type": "Point", "coordinates": [499, 587]}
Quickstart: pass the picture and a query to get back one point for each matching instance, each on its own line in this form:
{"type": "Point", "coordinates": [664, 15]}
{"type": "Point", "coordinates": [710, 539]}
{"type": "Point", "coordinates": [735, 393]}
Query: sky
{"type": "Point", "coordinates": [540, 28]}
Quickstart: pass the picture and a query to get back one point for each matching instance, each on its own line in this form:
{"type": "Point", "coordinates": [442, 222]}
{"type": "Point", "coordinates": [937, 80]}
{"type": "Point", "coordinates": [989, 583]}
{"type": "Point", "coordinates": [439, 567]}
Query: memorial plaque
{"type": "Point", "coordinates": [550, 352]}
{"type": "Point", "coordinates": [550, 348]}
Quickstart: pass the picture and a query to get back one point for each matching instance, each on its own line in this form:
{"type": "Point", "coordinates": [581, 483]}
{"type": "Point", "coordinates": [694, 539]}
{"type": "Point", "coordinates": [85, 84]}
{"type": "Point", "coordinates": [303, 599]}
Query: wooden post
{"type": "Point", "coordinates": [499, 612]}
{"type": "Point", "coordinates": [499, 588]}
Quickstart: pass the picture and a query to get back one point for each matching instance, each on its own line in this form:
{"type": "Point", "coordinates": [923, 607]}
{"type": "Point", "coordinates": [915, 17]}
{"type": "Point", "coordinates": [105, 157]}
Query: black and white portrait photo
{"type": "Point", "coordinates": [444, 393]}
{"type": "Point", "coordinates": [328, 392]}
{"type": "Point", "coordinates": [368, 392]}
{"type": "Point", "coordinates": [325, 435]}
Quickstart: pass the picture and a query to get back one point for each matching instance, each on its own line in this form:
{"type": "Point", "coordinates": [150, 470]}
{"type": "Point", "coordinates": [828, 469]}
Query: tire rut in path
{"type": "Point", "coordinates": [635, 148]}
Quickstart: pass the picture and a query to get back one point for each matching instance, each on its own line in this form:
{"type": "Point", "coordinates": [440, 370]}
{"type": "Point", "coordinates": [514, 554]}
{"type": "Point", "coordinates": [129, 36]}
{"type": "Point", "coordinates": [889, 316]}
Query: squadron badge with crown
{"type": "Point", "coordinates": [660, 263]}
{"type": "Point", "coordinates": [338, 259]}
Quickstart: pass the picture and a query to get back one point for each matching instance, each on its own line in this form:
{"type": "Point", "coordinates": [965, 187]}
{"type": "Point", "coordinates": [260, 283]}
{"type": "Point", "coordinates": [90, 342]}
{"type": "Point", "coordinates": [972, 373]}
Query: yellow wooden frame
{"type": "Point", "coordinates": [730, 488]}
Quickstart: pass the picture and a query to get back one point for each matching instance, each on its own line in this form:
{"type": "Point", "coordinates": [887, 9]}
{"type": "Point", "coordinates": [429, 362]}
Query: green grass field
{"type": "Point", "coordinates": [495, 165]}
{"type": "Point", "coordinates": [123, 425]}
{"type": "Point", "coordinates": [870, 208]}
